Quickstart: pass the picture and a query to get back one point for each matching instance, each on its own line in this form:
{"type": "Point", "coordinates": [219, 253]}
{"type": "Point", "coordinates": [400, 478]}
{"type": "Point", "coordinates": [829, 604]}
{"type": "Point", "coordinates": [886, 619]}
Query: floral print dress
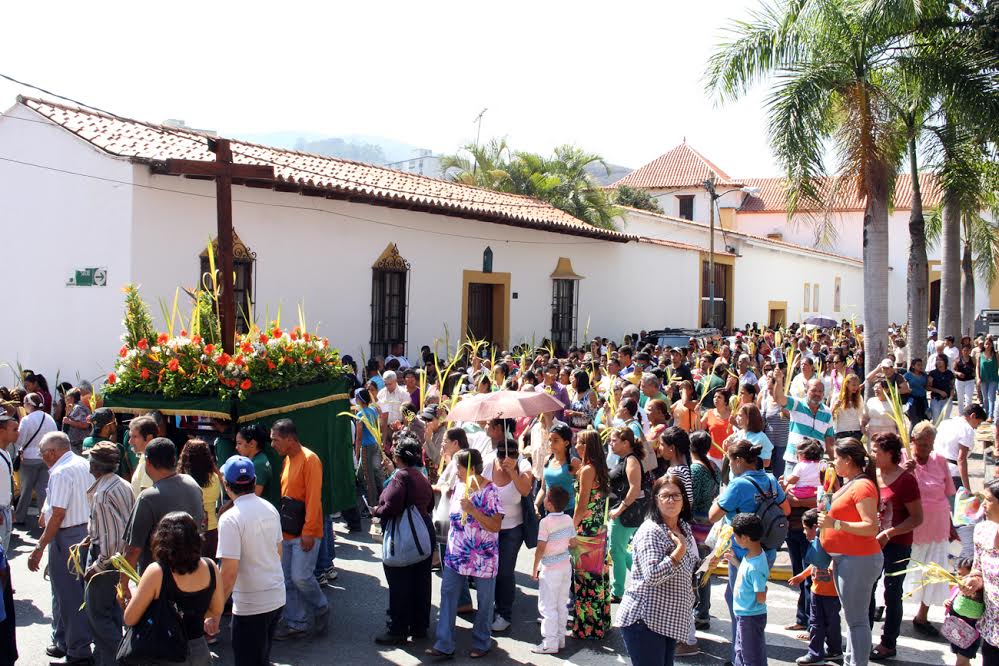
{"type": "Point", "coordinates": [472, 550]}
{"type": "Point", "coordinates": [592, 591]}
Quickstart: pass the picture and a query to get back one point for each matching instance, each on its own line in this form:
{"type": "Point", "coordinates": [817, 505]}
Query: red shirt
{"type": "Point", "coordinates": [893, 512]}
{"type": "Point", "coordinates": [844, 508]}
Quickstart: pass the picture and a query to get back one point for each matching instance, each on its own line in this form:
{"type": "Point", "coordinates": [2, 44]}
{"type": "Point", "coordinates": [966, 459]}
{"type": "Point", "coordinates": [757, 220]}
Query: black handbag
{"type": "Point", "coordinates": [159, 636]}
{"type": "Point", "coordinates": [530, 524]}
{"type": "Point", "coordinates": [292, 516]}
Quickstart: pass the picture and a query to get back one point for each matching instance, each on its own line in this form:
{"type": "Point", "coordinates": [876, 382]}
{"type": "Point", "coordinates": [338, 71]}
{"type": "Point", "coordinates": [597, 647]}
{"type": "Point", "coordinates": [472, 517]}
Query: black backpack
{"type": "Point", "coordinates": [775, 523]}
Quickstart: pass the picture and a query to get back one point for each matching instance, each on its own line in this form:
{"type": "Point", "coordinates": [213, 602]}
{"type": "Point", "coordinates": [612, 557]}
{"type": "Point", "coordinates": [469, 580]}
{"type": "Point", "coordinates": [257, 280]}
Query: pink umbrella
{"type": "Point", "coordinates": [504, 405]}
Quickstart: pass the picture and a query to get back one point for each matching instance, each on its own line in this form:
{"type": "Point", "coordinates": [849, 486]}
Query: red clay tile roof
{"type": "Point", "coordinates": [149, 143]}
{"type": "Point", "coordinates": [679, 246]}
{"type": "Point", "coordinates": [771, 197]}
{"type": "Point", "coordinates": [681, 167]}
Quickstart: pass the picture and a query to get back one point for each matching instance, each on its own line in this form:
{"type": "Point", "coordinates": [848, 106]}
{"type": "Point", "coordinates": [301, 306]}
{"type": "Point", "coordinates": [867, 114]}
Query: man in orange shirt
{"type": "Point", "coordinates": [302, 527]}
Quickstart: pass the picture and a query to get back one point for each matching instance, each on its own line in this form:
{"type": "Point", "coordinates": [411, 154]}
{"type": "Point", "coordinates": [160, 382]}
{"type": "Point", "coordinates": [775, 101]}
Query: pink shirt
{"type": "Point", "coordinates": [556, 530]}
{"type": "Point", "coordinates": [935, 486]}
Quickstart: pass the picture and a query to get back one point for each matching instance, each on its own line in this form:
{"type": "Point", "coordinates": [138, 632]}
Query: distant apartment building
{"type": "Point", "coordinates": [422, 162]}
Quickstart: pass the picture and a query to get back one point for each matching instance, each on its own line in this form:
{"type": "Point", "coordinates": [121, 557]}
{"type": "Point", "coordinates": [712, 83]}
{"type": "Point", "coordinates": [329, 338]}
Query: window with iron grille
{"type": "Point", "coordinates": [565, 311]}
{"type": "Point", "coordinates": [389, 301]}
{"type": "Point", "coordinates": [685, 206]}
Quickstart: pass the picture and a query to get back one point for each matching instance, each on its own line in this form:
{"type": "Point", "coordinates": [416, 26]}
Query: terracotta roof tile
{"type": "Point", "coordinates": [681, 167]}
{"type": "Point", "coordinates": [771, 197]}
{"type": "Point", "coordinates": [662, 242]}
{"type": "Point", "coordinates": [146, 142]}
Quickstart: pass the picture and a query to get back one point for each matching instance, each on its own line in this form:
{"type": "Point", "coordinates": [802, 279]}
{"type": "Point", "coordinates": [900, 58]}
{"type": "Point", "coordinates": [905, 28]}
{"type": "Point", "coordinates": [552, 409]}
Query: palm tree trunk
{"type": "Point", "coordinates": [967, 288]}
{"type": "Point", "coordinates": [876, 270]}
{"type": "Point", "coordinates": [950, 269]}
{"type": "Point", "coordinates": [918, 276]}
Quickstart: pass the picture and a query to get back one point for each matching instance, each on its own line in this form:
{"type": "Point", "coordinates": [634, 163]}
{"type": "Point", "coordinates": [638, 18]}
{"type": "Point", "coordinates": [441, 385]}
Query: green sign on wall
{"type": "Point", "coordinates": [89, 277]}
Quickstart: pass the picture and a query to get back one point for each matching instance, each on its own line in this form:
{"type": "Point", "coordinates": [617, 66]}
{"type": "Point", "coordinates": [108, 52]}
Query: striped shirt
{"type": "Point", "coordinates": [111, 503]}
{"type": "Point", "coordinates": [804, 423]}
{"type": "Point", "coordinates": [556, 530]}
{"type": "Point", "coordinates": [69, 481]}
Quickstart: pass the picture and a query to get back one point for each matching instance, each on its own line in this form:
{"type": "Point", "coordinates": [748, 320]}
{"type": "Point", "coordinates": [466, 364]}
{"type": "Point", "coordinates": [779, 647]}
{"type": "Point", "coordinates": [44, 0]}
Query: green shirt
{"type": "Point", "coordinates": [987, 368]}
{"type": "Point", "coordinates": [265, 477]}
{"type": "Point", "coordinates": [225, 448]}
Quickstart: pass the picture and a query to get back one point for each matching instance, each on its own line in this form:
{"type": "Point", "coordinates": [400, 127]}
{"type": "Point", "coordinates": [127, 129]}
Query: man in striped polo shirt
{"type": "Point", "coordinates": [809, 417]}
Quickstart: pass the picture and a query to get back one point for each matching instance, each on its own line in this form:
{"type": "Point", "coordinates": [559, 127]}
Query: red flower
{"type": "Point", "coordinates": [196, 339]}
{"type": "Point", "coordinates": [145, 373]}
{"type": "Point", "coordinates": [288, 359]}
{"type": "Point", "coordinates": [183, 333]}
{"type": "Point", "coordinates": [246, 385]}
{"type": "Point", "coordinates": [277, 333]}
{"type": "Point", "coordinates": [223, 359]}
{"type": "Point", "coordinates": [263, 338]}
{"type": "Point", "coordinates": [173, 365]}
{"type": "Point", "coordinates": [317, 359]}
{"type": "Point", "coordinates": [162, 339]}
{"type": "Point", "coordinates": [326, 343]}
{"type": "Point", "coordinates": [239, 360]}
{"type": "Point", "coordinates": [246, 348]}
{"type": "Point", "coordinates": [112, 378]}
{"type": "Point", "coordinates": [142, 344]}
{"type": "Point", "coordinates": [270, 365]}
{"type": "Point", "coordinates": [209, 349]}
{"type": "Point", "coordinates": [305, 336]}
{"type": "Point", "coordinates": [294, 336]}
{"type": "Point", "coordinates": [123, 351]}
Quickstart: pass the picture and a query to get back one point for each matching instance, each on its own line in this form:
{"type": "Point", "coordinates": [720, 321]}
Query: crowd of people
{"type": "Point", "coordinates": [662, 466]}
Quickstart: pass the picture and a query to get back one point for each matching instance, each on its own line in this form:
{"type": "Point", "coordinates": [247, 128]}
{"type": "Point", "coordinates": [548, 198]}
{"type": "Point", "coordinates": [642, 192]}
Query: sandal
{"type": "Point", "coordinates": [478, 654]}
{"type": "Point", "coordinates": [795, 627]}
{"type": "Point", "coordinates": [437, 654]}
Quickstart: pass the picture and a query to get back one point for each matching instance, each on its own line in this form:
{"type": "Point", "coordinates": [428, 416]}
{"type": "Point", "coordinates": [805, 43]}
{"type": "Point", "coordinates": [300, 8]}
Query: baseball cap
{"type": "Point", "coordinates": [887, 363]}
{"type": "Point", "coordinates": [239, 469]}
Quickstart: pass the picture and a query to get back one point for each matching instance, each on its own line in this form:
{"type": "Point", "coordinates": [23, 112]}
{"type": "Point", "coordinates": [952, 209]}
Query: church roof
{"type": "Point", "coordinates": [681, 167]}
{"type": "Point", "coordinates": [317, 174]}
{"type": "Point", "coordinates": [772, 199]}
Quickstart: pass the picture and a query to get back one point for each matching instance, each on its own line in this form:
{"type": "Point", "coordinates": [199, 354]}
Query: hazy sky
{"type": "Point", "coordinates": [622, 78]}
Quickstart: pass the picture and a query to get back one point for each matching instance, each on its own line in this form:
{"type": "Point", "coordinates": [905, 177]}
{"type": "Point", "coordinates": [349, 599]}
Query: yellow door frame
{"type": "Point", "coordinates": [780, 306]}
{"type": "Point", "coordinates": [501, 303]}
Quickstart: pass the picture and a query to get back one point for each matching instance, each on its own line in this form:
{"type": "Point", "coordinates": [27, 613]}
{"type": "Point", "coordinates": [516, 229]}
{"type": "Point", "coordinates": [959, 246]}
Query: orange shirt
{"type": "Point", "coordinates": [822, 582]}
{"type": "Point", "coordinates": [302, 479]}
{"type": "Point", "coordinates": [844, 508]}
{"type": "Point", "coordinates": [719, 429]}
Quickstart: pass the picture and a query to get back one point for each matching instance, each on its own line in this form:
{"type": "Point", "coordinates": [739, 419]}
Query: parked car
{"type": "Point", "coordinates": [678, 337]}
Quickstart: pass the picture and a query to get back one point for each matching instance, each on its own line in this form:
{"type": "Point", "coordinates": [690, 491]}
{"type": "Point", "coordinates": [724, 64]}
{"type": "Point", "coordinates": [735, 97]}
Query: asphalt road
{"type": "Point", "coordinates": [359, 598]}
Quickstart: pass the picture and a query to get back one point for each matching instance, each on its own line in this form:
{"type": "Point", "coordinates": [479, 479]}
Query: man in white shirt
{"type": "Point", "coordinates": [398, 353]}
{"type": "Point", "coordinates": [955, 439]}
{"type": "Point", "coordinates": [390, 402]}
{"type": "Point", "coordinates": [250, 554]}
{"type": "Point", "coordinates": [64, 518]}
{"type": "Point", "coordinates": [931, 346]}
{"type": "Point", "coordinates": [141, 431]}
{"type": "Point", "coordinates": [8, 435]}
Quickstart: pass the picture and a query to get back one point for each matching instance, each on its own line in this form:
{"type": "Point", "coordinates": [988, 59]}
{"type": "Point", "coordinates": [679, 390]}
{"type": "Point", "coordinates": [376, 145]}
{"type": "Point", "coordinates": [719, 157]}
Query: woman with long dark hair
{"type": "Point", "coordinates": [182, 575]}
{"type": "Point", "coordinates": [706, 477]}
{"type": "Point", "coordinates": [674, 449]}
{"type": "Point", "coordinates": [628, 502]}
{"type": "Point", "coordinates": [665, 557]}
{"type": "Point", "coordinates": [196, 461]}
{"type": "Point", "coordinates": [849, 533]}
{"type": "Point", "coordinates": [917, 379]}
{"type": "Point", "coordinates": [591, 591]}
{"type": "Point", "coordinates": [582, 401]}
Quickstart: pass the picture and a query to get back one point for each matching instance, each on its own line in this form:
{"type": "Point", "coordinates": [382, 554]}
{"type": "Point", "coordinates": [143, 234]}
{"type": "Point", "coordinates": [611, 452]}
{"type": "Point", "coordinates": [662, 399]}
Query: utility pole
{"type": "Point", "coordinates": [478, 134]}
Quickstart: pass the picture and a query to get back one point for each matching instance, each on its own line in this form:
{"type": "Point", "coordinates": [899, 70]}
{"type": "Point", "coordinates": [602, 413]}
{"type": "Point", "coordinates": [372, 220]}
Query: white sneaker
{"type": "Point", "coordinates": [541, 648]}
{"type": "Point", "coordinates": [501, 623]}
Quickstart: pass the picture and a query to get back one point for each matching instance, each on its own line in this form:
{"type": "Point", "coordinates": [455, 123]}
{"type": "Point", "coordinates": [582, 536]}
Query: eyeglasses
{"type": "Point", "coordinates": [669, 497]}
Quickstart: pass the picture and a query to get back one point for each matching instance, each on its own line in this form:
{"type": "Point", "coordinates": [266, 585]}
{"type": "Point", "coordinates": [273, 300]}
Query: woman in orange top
{"type": "Point", "coordinates": [849, 533]}
{"type": "Point", "coordinates": [685, 412]}
{"type": "Point", "coordinates": [717, 422]}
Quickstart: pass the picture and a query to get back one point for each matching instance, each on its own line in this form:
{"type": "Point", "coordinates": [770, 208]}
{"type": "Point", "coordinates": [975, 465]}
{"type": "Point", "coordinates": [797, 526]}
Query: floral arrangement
{"type": "Point", "coordinates": [188, 365]}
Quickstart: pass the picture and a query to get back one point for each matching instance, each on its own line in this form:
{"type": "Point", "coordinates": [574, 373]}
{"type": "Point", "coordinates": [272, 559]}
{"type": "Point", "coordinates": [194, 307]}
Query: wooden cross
{"type": "Point", "coordinates": [223, 170]}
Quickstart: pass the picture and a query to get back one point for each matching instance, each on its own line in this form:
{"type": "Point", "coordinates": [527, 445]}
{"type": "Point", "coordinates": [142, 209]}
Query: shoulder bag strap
{"type": "Point", "coordinates": [41, 422]}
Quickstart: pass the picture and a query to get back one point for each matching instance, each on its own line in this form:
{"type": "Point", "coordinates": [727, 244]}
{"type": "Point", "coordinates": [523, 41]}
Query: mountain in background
{"type": "Point", "coordinates": [359, 147]}
{"type": "Point", "coordinates": [601, 177]}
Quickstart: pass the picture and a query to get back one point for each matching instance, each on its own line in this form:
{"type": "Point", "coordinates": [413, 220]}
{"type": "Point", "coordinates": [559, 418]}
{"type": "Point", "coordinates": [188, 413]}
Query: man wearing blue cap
{"type": "Point", "coordinates": [249, 551]}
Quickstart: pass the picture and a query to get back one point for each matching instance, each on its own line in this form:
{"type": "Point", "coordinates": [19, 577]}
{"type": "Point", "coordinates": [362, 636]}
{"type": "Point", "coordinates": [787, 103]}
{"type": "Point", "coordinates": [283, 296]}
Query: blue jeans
{"type": "Point", "coordinates": [989, 398]}
{"type": "Point", "coordinates": [751, 641]}
{"type": "Point", "coordinates": [824, 634]}
{"type": "Point", "coordinates": [510, 542]}
{"type": "Point", "coordinates": [304, 597]}
{"type": "Point", "coordinates": [72, 629]}
{"type": "Point", "coordinates": [855, 576]}
{"type": "Point", "coordinates": [797, 546]}
{"type": "Point", "coordinates": [327, 548]}
{"type": "Point", "coordinates": [646, 647]}
{"type": "Point", "coordinates": [733, 572]}
{"type": "Point", "coordinates": [485, 589]}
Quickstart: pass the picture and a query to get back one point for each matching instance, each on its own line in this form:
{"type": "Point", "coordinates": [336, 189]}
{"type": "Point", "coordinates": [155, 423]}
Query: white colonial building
{"type": "Point", "coordinates": [374, 254]}
{"type": "Point", "coordinates": [676, 180]}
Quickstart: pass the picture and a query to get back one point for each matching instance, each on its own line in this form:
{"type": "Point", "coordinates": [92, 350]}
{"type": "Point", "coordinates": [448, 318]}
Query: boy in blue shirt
{"type": "Point", "coordinates": [750, 592]}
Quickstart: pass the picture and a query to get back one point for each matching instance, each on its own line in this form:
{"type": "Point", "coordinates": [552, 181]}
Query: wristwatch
{"type": "Point", "coordinates": [836, 525]}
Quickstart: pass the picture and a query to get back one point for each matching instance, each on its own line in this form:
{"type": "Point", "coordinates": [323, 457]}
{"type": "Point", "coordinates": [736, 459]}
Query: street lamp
{"type": "Point", "coordinates": [709, 185]}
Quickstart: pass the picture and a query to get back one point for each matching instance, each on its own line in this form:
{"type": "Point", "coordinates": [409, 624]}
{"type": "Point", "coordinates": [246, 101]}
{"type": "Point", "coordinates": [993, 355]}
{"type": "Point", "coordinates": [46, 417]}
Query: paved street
{"type": "Point", "coordinates": [359, 599]}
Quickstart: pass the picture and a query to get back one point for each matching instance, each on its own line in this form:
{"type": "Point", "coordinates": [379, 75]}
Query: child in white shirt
{"type": "Point", "coordinates": [803, 481]}
{"type": "Point", "coordinates": [556, 533]}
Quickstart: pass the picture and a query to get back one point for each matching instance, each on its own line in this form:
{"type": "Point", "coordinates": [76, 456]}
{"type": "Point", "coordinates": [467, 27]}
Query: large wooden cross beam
{"type": "Point", "coordinates": [223, 170]}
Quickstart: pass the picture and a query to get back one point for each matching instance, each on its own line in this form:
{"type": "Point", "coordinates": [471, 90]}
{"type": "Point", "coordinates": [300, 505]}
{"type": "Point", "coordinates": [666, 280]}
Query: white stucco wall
{"type": "Point", "coordinates": [53, 223]}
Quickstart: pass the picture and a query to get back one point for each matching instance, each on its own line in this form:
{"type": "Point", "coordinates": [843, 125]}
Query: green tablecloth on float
{"type": "Point", "coordinates": [313, 408]}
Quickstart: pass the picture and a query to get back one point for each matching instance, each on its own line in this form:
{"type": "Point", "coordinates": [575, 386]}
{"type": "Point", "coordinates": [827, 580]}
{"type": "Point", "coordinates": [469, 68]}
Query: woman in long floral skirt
{"type": "Point", "coordinates": [592, 592]}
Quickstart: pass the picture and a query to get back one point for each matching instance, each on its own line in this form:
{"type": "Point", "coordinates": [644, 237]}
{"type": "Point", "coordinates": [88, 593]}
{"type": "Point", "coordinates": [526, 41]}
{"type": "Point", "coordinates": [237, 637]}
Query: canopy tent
{"type": "Point", "coordinates": [313, 408]}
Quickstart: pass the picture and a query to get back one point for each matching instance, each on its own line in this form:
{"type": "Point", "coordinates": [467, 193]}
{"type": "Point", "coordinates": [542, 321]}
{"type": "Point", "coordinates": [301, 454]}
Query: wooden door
{"type": "Point", "coordinates": [480, 311]}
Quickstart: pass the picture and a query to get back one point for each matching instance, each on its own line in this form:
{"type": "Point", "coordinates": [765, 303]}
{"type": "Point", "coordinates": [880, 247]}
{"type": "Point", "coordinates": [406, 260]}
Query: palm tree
{"type": "Point", "coordinates": [579, 195]}
{"type": "Point", "coordinates": [485, 166]}
{"type": "Point", "coordinates": [829, 61]}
